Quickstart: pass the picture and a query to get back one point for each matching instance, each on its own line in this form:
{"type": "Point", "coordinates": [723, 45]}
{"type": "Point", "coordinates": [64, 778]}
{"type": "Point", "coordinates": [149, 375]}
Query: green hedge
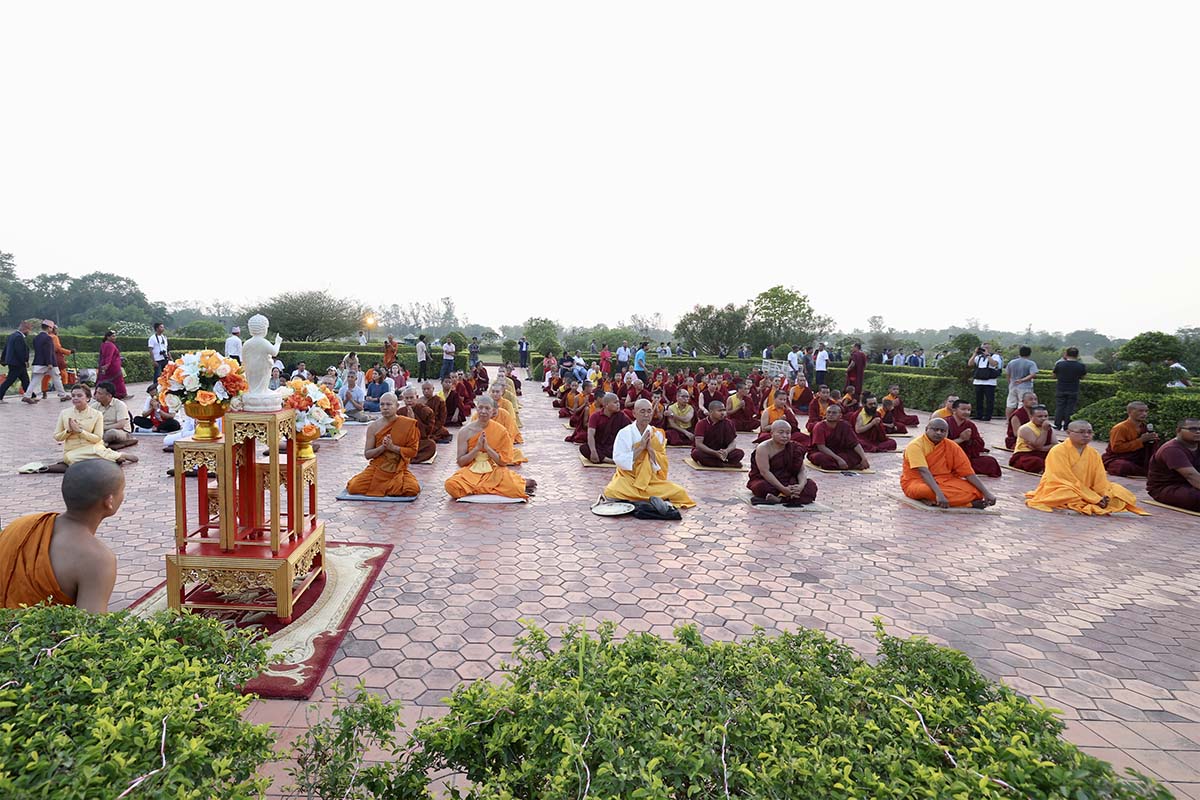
{"type": "Point", "coordinates": [929, 390]}
{"type": "Point", "coordinates": [1166, 410]}
{"type": "Point", "coordinates": [84, 698]}
{"type": "Point", "coordinates": [138, 366]}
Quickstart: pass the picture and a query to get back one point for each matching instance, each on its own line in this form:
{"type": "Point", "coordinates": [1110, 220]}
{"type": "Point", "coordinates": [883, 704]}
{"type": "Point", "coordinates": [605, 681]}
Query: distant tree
{"type": "Point", "coordinates": [709, 328]}
{"type": "Point", "coordinates": [486, 335]}
{"type": "Point", "coordinates": [958, 357]}
{"type": "Point", "coordinates": [1153, 352]}
{"type": "Point", "coordinates": [513, 332]}
{"type": "Point", "coordinates": [1189, 354]}
{"type": "Point", "coordinates": [204, 329]}
{"type": "Point", "coordinates": [540, 332]}
{"type": "Point", "coordinates": [881, 338]}
{"type": "Point", "coordinates": [313, 316]}
{"type": "Point", "coordinates": [784, 316]}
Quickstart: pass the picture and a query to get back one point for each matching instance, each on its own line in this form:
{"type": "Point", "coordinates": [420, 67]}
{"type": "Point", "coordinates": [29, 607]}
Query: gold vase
{"type": "Point", "coordinates": [206, 420]}
{"type": "Point", "coordinates": [304, 442]}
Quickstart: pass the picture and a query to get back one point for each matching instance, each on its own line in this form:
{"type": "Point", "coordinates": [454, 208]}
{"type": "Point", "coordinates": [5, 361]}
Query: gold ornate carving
{"type": "Point", "coordinates": [310, 473]}
{"type": "Point", "coordinates": [229, 581]}
{"type": "Point", "coordinates": [249, 430]}
{"type": "Point", "coordinates": [194, 459]}
{"type": "Point", "coordinates": [286, 428]}
{"type": "Point", "coordinates": [304, 565]}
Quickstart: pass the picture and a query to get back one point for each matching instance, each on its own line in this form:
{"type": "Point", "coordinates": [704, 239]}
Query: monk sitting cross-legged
{"type": "Point", "coordinates": [947, 408]}
{"type": "Point", "coordinates": [602, 429]}
{"type": "Point", "coordinates": [715, 437]}
{"type": "Point", "coordinates": [1075, 479]}
{"type": "Point", "coordinates": [571, 400]}
{"type": "Point", "coordinates": [777, 471]}
{"type": "Point", "coordinates": [1175, 469]}
{"type": "Point", "coordinates": [392, 441]}
{"type": "Point", "coordinates": [819, 406]}
{"type": "Point", "coordinates": [777, 411]}
{"type": "Point", "coordinates": [835, 446]}
{"type": "Point", "coordinates": [1034, 440]}
{"type": "Point", "coordinates": [743, 411]}
{"type": "Point", "coordinates": [902, 417]}
{"type": "Point", "coordinates": [412, 407]}
{"type": "Point", "coordinates": [503, 417]}
{"type": "Point", "coordinates": [964, 433]}
{"type": "Point", "coordinates": [484, 451]}
{"type": "Point", "coordinates": [800, 395]}
{"type": "Point", "coordinates": [681, 419]}
{"type": "Point", "coordinates": [438, 406]}
{"type": "Point", "coordinates": [456, 414]}
{"type": "Point", "coordinates": [887, 412]}
{"type": "Point", "coordinates": [868, 426]}
{"type": "Point", "coordinates": [56, 558]}
{"type": "Point", "coordinates": [936, 471]}
{"type": "Point", "coordinates": [640, 454]}
{"type": "Point", "coordinates": [1131, 444]}
{"type": "Point", "coordinates": [1018, 418]}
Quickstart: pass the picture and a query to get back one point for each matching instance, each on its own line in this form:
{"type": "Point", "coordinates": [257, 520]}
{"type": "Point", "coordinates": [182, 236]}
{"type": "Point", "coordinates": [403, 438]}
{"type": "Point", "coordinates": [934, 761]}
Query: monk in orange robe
{"type": "Point", "coordinates": [819, 406]}
{"type": "Point", "coordinates": [743, 411]}
{"type": "Point", "coordinates": [936, 471]}
{"type": "Point", "coordinates": [392, 442]}
{"type": "Point", "coordinates": [902, 417]}
{"type": "Point", "coordinates": [438, 406]}
{"type": "Point", "coordinates": [412, 407]}
{"type": "Point", "coordinates": [779, 410]}
{"type": "Point", "coordinates": [947, 408]}
{"type": "Point", "coordinates": [57, 558]}
{"type": "Point", "coordinates": [1035, 439]}
{"type": "Point", "coordinates": [1075, 480]}
{"type": "Point", "coordinates": [569, 401]}
{"type": "Point", "coordinates": [868, 426]}
{"type": "Point", "coordinates": [484, 451]}
{"type": "Point", "coordinates": [504, 418]}
{"type": "Point", "coordinates": [849, 403]}
{"type": "Point", "coordinates": [1019, 418]}
{"type": "Point", "coordinates": [390, 347]}
{"type": "Point", "coordinates": [964, 434]}
{"type": "Point", "coordinates": [1131, 444]}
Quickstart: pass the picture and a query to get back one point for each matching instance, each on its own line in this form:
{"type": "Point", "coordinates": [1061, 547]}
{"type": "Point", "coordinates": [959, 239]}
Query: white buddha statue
{"type": "Point", "coordinates": [258, 356]}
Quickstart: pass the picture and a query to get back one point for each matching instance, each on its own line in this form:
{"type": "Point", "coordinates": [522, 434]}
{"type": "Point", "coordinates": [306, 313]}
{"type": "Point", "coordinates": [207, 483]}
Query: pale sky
{"type": "Point", "coordinates": [1022, 163]}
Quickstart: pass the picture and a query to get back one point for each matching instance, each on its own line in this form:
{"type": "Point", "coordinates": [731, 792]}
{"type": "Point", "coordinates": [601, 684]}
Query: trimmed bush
{"type": "Point", "coordinates": [90, 703]}
{"type": "Point", "coordinates": [508, 352]}
{"type": "Point", "coordinates": [138, 366]}
{"type": "Point", "coordinates": [1166, 410]}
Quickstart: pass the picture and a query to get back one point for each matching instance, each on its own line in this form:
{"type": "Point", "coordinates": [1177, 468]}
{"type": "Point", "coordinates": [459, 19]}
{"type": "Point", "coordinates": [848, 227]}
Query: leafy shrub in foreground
{"type": "Point", "coordinates": [90, 704]}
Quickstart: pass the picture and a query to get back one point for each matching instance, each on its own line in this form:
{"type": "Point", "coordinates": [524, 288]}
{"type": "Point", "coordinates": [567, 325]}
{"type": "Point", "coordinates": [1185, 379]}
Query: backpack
{"type": "Point", "coordinates": [656, 508]}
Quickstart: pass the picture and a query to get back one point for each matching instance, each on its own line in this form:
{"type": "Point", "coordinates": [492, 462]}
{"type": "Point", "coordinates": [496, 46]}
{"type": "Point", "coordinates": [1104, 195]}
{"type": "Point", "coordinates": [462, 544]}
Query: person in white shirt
{"type": "Point", "coordinates": [623, 356]}
{"type": "Point", "coordinates": [422, 358]}
{"type": "Point", "coordinates": [362, 339]}
{"type": "Point", "coordinates": [1179, 376]}
{"type": "Point", "coordinates": [822, 364]}
{"type": "Point", "coordinates": [985, 387]}
{"type": "Point", "coordinates": [898, 359]}
{"type": "Point", "coordinates": [448, 350]}
{"type": "Point", "coordinates": [794, 361]}
{"type": "Point", "coordinates": [301, 371]}
{"type": "Point", "coordinates": [353, 398]}
{"type": "Point", "coordinates": [233, 345]}
{"type": "Point", "coordinates": [160, 353]}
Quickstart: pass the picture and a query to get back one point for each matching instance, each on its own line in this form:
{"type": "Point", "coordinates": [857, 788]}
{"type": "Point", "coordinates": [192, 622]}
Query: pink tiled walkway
{"type": "Point", "coordinates": [1099, 617]}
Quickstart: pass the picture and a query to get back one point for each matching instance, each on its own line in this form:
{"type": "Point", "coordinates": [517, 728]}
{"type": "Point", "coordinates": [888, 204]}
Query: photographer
{"type": "Point", "coordinates": [987, 370]}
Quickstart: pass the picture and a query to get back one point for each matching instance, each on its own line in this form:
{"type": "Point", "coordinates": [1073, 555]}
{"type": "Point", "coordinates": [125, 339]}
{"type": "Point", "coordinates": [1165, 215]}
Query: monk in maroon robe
{"type": "Point", "coordinates": [868, 426]}
{"type": "Point", "coordinates": [887, 413]}
{"type": "Point", "coordinates": [819, 407]}
{"type": "Point", "coordinates": [964, 432]}
{"type": "Point", "coordinates": [1034, 440]}
{"type": "Point", "coordinates": [1019, 418]}
{"type": "Point", "coordinates": [780, 411]}
{"type": "Point", "coordinates": [835, 446]}
{"type": "Point", "coordinates": [777, 471]}
{"type": "Point", "coordinates": [743, 411]}
{"type": "Point", "coordinates": [856, 369]}
{"type": "Point", "coordinates": [800, 395]}
{"type": "Point", "coordinates": [456, 414]}
{"type": "Point", "coordinates": [715, 437]}
{"type": "Point", "coordinates": [902, 417]}
{"type": "Point", "coordinates": [579, 421]}
{"type": "Point", "coordinates": [603, 427]}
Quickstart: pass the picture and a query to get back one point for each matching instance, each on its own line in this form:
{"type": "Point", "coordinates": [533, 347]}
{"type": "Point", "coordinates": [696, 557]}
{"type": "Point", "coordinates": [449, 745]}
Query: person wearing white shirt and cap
{"type": "Point", "coordinates": [233, 345]}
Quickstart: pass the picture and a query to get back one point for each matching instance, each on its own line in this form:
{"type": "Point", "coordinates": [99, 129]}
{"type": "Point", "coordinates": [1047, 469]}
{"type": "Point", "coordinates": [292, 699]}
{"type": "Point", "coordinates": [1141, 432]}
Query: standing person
{"type": "Point", "coordinates": [60, 355]}
{"type": "Point", "coordinates": [160, 353]}
{"type": "Point", "coordinates": [605, 361]}
{"type": "Point", "coordinates": [987, 369]}
{"type": "Point", "coordinates": [233, 345]}
{"type": "Point", "coordinates": [1021, 372]}
{"type": "Point", "coordinates": [793, 359]}
{"type": "Point", "coordinates": [362, 339]}
{"type": "Point", "coordinates": [1068, 371]}
{"type": "Point", "coordinates": [856, 370]}
{"type": "Point", "coordinates": [448, 351]}
{"type": "Point", "coordinates": [16, 359]}
{"type": "Point", "coordinates": [423, 358]}
{"type": "Point", "coordinates": [639, 362]}
{"type": "Point", "coordinates": [523, 354]}
{"type": "Point", "coordinates": [810, 366]}
{"type": "Point", "coordinates": [390, 348]}
{"type": "Point", "coordinates": [623, 354]}
{"type": "Point", "coordinates": [45, 361]}
{"type": "Point", "coordinates": [821, 364]}
{"type": "Point", "coordinates": [110, 369]}
{"type": "Point", "coordinates": [473, 352]}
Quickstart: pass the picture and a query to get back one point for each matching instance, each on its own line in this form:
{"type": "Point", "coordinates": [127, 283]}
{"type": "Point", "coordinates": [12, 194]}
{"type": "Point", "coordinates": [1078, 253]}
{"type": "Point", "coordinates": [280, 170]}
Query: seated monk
{"type": "Point", "coordinates": [777, 471]}
{"type": "Point", "coordinates": [819, 406]}
{"type": "Point", "coordinates": [887, 412]}
{"type": "Point", "coordinates": [480, 376]}
{"type": "Point", "coordinates": [640, 454]}
{"type": "Point", "coordinates": [392, 441]}
{"type": "Point", "coordinates": [835, 446]}
{"type": "Point", "coordinates": [455, 413]}
{"type": "Point", "coordinates": [636, 391]}
{"type": "Point", "coordinates": [937, 471]}
{"type": "Point", "coordinates": [800, 396]}
{"type": "Point", "coordinates": [484, 451]}
{"type": "Point", "coordinates": [570, 400]}
{"type": "Point", "coordinates": [501, 416]}
{"type": "Point", "coordinates": [743, 411]}
{"type": "Point", "coordinates": [779, 410]}
{"type": "Point", "coordinates": [602, 429]}
{"type": "Point", "coordinates": [1131, 444]}
{"type": "Point", "coordinates": [680, 418]}
{"type": "Point", "coordinates": [508, 401]}
{"type": "Point", "coordinates": [1174, 476]}
{"type": "Point", "coordinates": [868, 427]}
{"type": "Point", "coordinates": [1074, 478]}
{"type": "Point", "coordinates": [902, 417]}
{"type": "Point", "coordinates": [438, 406]}
{"type": "Point", "coordinates": [715, 437]}
{"type": "Point", "coordinates": [57, 558]}
{"type": "Point", "coordinates": [849, 403]}
{"type": "Point", "coordinates": [1018, 418]}
{"type": "Point", "coordinates": [1034, 440]}
{"type": "Point", "coordinates": [80, 428]}
{"type": "Point", "coordinates": [947, 408]}
{"type": "Point", "coordinates": [964, 434]}
{"type": "Point", "coordinates": [579, 420]}
{"type": "Point", "coordinates": [466, 393]}
{"type": "Point", "coordinates": [412, 407]}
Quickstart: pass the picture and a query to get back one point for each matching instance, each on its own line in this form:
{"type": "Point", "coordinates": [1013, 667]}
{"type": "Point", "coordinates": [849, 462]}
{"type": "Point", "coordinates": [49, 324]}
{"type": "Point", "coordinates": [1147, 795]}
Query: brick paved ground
{"type": "Point", "coordinates": [1100, 617]}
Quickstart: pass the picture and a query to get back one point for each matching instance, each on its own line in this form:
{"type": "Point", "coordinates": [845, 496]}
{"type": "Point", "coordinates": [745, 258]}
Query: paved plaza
{"type": "Point", "coordinates": [1099, 617]}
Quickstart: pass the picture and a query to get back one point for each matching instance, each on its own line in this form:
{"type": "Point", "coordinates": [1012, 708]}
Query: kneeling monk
{"type": "Point", "coordinates": [777, 470]}
{"type": "Point", "coordinates": [484, 450]}
{"type": "Point", "coordinates": [835, 446]}
{"type": "Point", "coordinates": [58, 557]}
{"type": "Point", "coordinates": [937, 472]}
{"type": "Point", "coordinates": [392, 441]}
{"type": "Point", "coordinates": [1075, 479]}
{"type": "Point", "coordinates": [1034, 440]}
{"type": "Point", "coordinates": [640, 454]}
{"type": "Point", "coordinates": [715, 436]}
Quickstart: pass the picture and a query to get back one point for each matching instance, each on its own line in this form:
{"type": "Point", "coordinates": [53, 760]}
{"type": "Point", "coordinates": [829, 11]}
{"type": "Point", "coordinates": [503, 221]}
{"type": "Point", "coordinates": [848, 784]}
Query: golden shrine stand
{"type": "Point", "coordinates": [254, 542]}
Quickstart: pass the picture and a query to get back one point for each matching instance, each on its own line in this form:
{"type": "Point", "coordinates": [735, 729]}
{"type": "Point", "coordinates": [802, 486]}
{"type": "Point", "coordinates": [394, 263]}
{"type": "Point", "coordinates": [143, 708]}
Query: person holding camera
{"type": "Point", "coordinates": [987, 370]}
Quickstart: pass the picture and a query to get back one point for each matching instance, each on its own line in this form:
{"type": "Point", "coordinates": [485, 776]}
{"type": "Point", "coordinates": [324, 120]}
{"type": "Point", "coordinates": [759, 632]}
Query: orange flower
{"type": "Point", "coordinates": [310, 430]}
{"type": "Point", "coordinates": [205, 398]}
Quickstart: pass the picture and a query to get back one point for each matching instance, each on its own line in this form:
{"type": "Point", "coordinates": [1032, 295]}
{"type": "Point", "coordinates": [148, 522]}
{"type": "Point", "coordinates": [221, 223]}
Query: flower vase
{"type": "Point", "coordinates": [206, 417]}
{"type": "Point", "coordinates": [304, 442]}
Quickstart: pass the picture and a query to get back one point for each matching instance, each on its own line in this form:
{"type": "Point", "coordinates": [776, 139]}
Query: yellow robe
{"type": "Point", "coordinates": [510, 397]}
{"type": "Point", "coordinates": [506, 421]}
{"type": "Point", "coordinates": [511, 408]}
{"type": "Point", "coordinates": [485, 476]}
{"type": "Point", "coordinates": [643, 481]}
{"type": "Point", "coordinates": [89, 442]}
{"type": "Point", "coordinates": [1076, 481]}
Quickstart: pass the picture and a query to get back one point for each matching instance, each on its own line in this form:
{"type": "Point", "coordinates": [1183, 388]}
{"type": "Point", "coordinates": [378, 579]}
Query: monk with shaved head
{"type": "Point", "coordinates": [485, 451]}
{"type": "Point", "coordinates": [413, 408]}
{"type": "Point", "coordinates": [640, 455]}
{"type": "Point", "coordinates": [777, 470]}
{"type": "Point", "coordinates": [1131, 444]}
{"type": "Point", "coordinates": [715, 439]}
{"type": "Point", "coordinates": [1074, 479]}
{"type": "Point", "coordinates": [392, 442]}
{"type": "Point", "coordinates": [936, 471]}
{"type": "Point", "coordinates": [602, 429]}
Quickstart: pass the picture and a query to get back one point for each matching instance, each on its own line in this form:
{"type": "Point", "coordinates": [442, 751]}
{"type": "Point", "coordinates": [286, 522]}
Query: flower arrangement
{"type": "Point", "coordinates": [318, 410]}
{"type": "Point", "coordinates": [207, 378]}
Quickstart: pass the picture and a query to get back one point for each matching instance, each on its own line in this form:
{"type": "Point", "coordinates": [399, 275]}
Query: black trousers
{"type": "Point", "coordinates": [820, 379]}
{"type": "Point", "coordinates": [985, 402]}
{"type": "Point", "coordinates": [1064, 408]}
{"type": "Point", "coordinates": [421, 365]}
{"type": "Point", "coordinates": [17, 373]}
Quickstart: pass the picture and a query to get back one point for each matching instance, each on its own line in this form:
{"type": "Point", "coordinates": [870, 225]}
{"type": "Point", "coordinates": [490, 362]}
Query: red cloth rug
{"type": "Point", "coordinates": [322, 616]}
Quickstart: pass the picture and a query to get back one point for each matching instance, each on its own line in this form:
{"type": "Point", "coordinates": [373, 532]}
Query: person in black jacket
{"type": "Point", "coordinates": [16, 358]}
{"type": "Point", "coordinates": [45, 361]}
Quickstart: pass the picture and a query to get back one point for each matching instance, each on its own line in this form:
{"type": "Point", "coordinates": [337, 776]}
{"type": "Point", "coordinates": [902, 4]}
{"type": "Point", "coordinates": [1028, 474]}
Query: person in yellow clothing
{"type": "Point", "coordinates": [640, 453]}
{"type": "Point", "coordinates": [504, 417]}
{"type": "Point", "coordinates": [81, 430]}
{"type": "Point", "coordinates": [484, 451]}
{"type": "Point", "coordinates": [1075, 479]}
{"type": "Point", "coordinates": [510, 396]}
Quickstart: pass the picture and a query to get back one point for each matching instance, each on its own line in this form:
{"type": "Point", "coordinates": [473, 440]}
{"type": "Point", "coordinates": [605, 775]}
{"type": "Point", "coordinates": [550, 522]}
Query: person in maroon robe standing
{"type": "Point", "coordinates": [603, 427]}
{"type": "Point", "coordinates": [835, 446]}
{"type": "Point", "coordinates": [777, 471]}
{"type": "Point", "coordinates": [868, 426]}
{"type": "Point", "coordinates": [857, 368]}
{"type": "Point", "coordinates": [964, 432]}
{"type": "Point", "coordinates": [715, 437]}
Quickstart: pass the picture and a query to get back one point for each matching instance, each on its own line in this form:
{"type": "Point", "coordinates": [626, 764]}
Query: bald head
{"type": "Point", "coordinates": [611, 397]}
{"type": "Point", "coordinates": [937, 424]}
{"type": "Point", "coordinates": [781, 425]}
{"type": "Point", "coordinates": [409, 394]}
{"type": "Point", "coordinates": [389, 396]}
{"type": "Point", "coordinates": [87, 484]}
{"type": "Point", "coordinates": [641, 404]}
